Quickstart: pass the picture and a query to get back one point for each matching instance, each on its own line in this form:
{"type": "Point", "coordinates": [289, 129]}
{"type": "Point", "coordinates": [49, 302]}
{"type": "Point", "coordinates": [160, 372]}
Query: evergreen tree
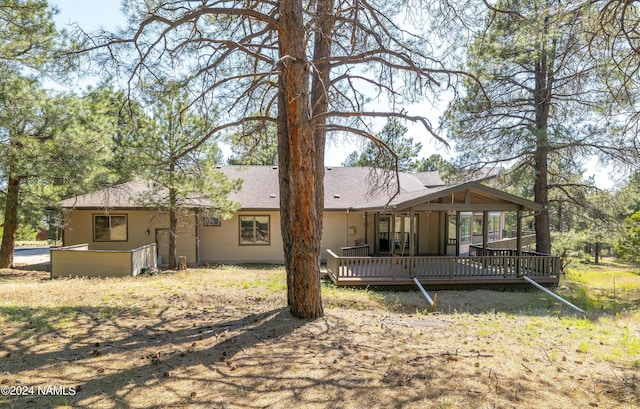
{"type": "Point", "coordinates": [27, 34]}
{"type": "Point", "coordinates": [537, 97]}
{"type": "Point", "coordinates": [256, 144]}
{"type": "Point", "coordinates": [299, 65]}
{"type": "Point", "coordinates": [27, 39]}
{"type": "Point", "coordinates": [628, 245]}
{"type": "Point", "coordinates": [182, 166]}
{"type": "Point", "coordinates": [50, 145]}
{"type": "Point", "coordinates": [390, 150]}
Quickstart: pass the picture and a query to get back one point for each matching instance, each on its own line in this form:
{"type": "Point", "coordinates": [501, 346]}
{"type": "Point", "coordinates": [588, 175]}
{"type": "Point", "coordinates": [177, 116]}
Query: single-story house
{"type": "Point", "coordinates": [426, 218]}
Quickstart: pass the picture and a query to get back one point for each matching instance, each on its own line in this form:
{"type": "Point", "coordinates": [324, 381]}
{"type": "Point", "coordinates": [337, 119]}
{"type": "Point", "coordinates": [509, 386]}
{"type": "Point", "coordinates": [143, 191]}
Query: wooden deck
{"type": "Point", "coordinates": [443, 270]}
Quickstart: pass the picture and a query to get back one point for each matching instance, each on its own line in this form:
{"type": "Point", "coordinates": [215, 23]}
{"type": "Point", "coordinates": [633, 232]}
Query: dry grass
{"type": "Point", "coordinates": [222, 338]}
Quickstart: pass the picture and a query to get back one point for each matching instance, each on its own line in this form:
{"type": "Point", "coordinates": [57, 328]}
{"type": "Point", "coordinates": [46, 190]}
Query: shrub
{"type": "Point", "coordinates": [628, 245]}
{"type": "Point", "coordinates": [570, 244]}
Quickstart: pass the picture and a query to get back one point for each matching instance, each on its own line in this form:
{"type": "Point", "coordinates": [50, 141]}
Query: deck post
{"type": "Point", "coordinates": [457, 233]}
{"type": "Point", "coordinates": [505, 266]}
{"type": "Point", "coordinates": [366, 229]}
{"type": "Point", "coordinates": [485, 236]}
{"type": "Point", "coordinates": [412, 232]}
{"type": "Point", "coordinates": [518, 242]}
{"type": "Point", "coordinates": [376, 233]}
{"type": "Point", "coordinates": [392, 233]}
{"type": "Point", "coordinates": [441, 235]}
{"type": "Point", "coordinates": [393, 265]}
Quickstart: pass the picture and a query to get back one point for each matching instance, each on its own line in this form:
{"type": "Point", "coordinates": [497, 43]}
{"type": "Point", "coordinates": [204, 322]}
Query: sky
{"type": "Point", "coordinates": [94, 14]}
{"type": "Point", "coordinates": [89, 14]}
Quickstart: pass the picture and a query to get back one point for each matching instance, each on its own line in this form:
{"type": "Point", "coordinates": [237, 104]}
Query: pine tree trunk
{"type": "Point", "coordinates": [321, 77]}
{"type": "Point", "coordinates": [10, 223]}
{"type": "Point", "coordinates": [173, 239]}
{"type": "Point", "coordinates": [173, 227]}
{"type": "Point", "coordinates": [541, 194]}
{"type": "Point", "coordinates": [542, 100]}
{"type": "Point", "coordinates": [299, 173]}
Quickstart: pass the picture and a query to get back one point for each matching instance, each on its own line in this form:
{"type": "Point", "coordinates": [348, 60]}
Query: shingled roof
{"type": "Point", "coordinates": [126, 195]}
{"type": "Point", "coordinates": [345, 188]}
{"type": "Point", "coordinates": [430, 179]}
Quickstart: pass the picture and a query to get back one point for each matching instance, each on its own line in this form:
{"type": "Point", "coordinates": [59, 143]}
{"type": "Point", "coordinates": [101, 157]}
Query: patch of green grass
{"type": "Point", "coordinates": [39, 320]}
{"type": "Point", "coordinates": [605, 277]}
{"type": "Point", "coordinates": [272, 283]}
{"type": "Point", "coordinates": [603, 289]}
{"type": "Point", "coordinates": [598, 292]}
{"type": "Point", "coordinates": [582, 297]}
{"type": "Point", "coordinates": [604, 338]}
{"type": "Point", "coordinates": [350, 297]}
{"type": "Point", "coordinates": [32, 319]}
{"type": "Point", "coordinates": [107, 312]}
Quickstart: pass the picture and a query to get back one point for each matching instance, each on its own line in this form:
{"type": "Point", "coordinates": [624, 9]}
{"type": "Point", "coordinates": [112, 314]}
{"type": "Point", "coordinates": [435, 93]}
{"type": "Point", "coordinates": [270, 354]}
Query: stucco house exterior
{"type": "Point", "coordinates": [426, 218]}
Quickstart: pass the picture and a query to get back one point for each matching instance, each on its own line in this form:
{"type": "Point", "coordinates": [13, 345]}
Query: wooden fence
{"type": "Point", "coordinates": [80, 261]}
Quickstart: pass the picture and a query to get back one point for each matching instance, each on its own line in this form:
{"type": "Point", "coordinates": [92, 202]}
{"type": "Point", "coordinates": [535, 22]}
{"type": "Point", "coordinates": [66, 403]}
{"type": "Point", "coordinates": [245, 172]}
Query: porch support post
{"type": "Point", "coordinates": [519, 233]}
{"type": "Point", "coordinates": [519, 242]}
{"type": "Point", "coordinates": [485, 233]}
{"type": "Point", "coordinates": [441, 235]}
{"type": "Point", "coordinates": [457, 233]}
{"type": "Point", "coordinates": [366, 231]}
{"type": "Point", "coordinates": [376, 233]}
{"type": "Point", "coordinates": [412, 228]}
{"type": "Point", "coordinates": [392, 233]}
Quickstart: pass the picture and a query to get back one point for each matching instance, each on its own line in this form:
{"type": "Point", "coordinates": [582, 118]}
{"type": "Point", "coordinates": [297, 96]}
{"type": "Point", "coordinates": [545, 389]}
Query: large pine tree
{"type": "Point", "coordinates": [539, 95]}
{"type": "Point", "coordinates": [308, 67]}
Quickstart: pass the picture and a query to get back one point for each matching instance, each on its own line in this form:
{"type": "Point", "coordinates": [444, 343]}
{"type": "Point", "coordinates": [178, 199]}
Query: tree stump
{"type": "Point", "coordinates": [182, 263]}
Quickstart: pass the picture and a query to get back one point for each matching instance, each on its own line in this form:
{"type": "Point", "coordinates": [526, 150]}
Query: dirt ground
{"type": "Point", "coordinates": [224, 339]}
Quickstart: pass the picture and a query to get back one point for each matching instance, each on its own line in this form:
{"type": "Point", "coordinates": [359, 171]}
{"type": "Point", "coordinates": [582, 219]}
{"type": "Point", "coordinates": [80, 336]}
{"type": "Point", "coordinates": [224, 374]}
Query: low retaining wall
{"type": "Point", "coordinates": [79, 261]}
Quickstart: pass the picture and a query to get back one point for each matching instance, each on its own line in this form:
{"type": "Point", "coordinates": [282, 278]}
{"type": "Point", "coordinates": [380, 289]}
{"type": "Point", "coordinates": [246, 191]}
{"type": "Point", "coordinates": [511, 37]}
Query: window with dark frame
{"type": "Point", "coordinates": [254, 230]}
{"type": "Point", "coordinates": [111, 227]}
{"type": "Point", "coordinates": [211, 221]}
{"type": "Point", "coordinates": [465, 228]}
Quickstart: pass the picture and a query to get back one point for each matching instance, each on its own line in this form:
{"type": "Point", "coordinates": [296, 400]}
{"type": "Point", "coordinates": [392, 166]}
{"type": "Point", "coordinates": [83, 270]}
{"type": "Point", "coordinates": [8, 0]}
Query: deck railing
{"type": "Point", "coordinates": [355, 251]}
{"type": "Point", "coordinates": [442, 267]}
{"type": "Point", "coordinates": [508, 244]}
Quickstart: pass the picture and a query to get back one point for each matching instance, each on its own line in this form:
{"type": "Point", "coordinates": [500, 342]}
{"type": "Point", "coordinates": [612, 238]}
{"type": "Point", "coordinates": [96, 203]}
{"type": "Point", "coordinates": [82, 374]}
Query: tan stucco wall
{"type": "Point", "coordinates": [80, 230]}
{"type": "Point", "coordinates": [218, 244]}
{"type": "Point", "coordinates": [428, 231]}
{"type": "Point", "coordinates": [221, 244]}
{"type": "Point", "coordinates": [342, 229]}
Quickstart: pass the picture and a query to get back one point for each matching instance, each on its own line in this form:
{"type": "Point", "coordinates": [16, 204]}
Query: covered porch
{"type": "Point", "coordinates": [450, 235]}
